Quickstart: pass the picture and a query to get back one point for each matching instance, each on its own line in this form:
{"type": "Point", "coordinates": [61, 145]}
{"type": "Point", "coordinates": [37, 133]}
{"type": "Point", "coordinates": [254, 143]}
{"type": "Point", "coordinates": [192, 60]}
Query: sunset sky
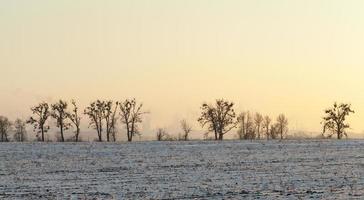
{"type": "Point", "coordinates": [285, 56]}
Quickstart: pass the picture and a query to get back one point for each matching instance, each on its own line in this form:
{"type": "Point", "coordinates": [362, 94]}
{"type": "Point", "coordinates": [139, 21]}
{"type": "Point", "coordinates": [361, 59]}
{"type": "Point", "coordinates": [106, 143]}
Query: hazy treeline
{"type": "Point", "coordinates": [18, 127]}
{"type": "Point", "coordinates": [218, 118]}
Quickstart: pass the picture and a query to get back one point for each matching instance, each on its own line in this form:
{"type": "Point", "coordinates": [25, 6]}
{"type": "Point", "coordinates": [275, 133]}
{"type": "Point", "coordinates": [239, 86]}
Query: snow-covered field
{"type": "Point", "coordinates": [183, 170]}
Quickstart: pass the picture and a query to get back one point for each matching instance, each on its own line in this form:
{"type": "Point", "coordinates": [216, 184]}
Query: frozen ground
{"type": "Point", "coordinates": [183, 170]}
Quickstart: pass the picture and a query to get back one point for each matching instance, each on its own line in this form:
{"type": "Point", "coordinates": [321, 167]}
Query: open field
{"type": "Point", "coordinates": [320, 169]}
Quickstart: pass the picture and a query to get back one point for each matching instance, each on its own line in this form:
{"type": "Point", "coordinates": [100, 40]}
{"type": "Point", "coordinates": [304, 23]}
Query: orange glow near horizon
{"type": "Point", "coordinates": [283, 56]}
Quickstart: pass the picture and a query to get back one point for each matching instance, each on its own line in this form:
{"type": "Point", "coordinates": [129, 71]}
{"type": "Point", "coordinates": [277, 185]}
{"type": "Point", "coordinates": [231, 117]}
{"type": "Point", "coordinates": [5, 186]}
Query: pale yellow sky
{"type": "Point", "coordinates": [284, 56]}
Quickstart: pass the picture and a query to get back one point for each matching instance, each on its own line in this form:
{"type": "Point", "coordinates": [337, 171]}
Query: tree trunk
{"type": "Point", "coordinates": [244, 129]}
{"type": "Point", "coordinates": [42, 130]}
{"type": "Point", "coordinates": [339, 135]}
{"type": "Point", "coordinates": [130, 138]}
{"type": "Point", "coordinates": [77, 133]}
{"type": "Point", "coordinates": [99, 134]}
{"type": "Point", "coordinates": [107, 132]}
{"type": "Point", "coordinates": [62, 137]}
{"type": "Point", "coordinates": [100, 127]}
{"type": "Point", "coordinates": [128, 130]}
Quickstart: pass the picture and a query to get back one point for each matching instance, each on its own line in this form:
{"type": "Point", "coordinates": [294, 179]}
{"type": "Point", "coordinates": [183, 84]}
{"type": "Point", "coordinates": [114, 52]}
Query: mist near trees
{"type": "Point", "coordinates": [161, 134]}
{"type": "Point", "coordinates": [186, 128]}
{"type": "Point", "coordinates": [20, 132]}
{"type": "Point", "coordinates": [5, 127]}
{"type": "Point", "coordinates": [255, 126]}
{"type": "Point", "coordinates": [105, 116]}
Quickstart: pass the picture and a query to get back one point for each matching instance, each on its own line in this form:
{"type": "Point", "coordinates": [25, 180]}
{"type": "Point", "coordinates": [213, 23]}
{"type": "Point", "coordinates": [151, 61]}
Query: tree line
{"type": "Point", "coordinates": [103, 116]}
{"type": "Point", "coordinates": [218, 118]}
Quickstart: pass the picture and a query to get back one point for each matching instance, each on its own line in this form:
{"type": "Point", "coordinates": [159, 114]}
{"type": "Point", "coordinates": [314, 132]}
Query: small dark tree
{"type": "Point", "coordinates": [282, 125]}
{"type": "Point", "coordinates": [186, 128]}
{"type": "Point", "coordinates": [246, 128]}
{"type": "Point", "coordinates": [95, 113]}
{"type": "Point", "coordinates": [266, 125]}
{"type": "Point", "coordinates": [76, 120]}
{"type": "Point", "coordinates": [258, 120]}
{"type": "Point", "coordinates": [250, 131]}
{"type": "Point", "coordinates": [113, 122]}
{"type": "Point", "coordinates": [161, 134]}
{"type": "Point", "coordinates": [20, 134]}
{"type": "Point", "coordinates": [273, 133]}
{"type": "Point", "coordinates": [60, 114]}
{"type": "Point", "coordinates": [109, 114]}
{"type": "Point", "coordinates": [220, 118]}
{"type": "Point", "coordinates": [334, 121]}
{"type": "Point", "coordinates": [5, 127]}
{"type": "Point", "coordinates": [41, 114]}
{"type": "Point", "coordinates": [242, 123]}
{"type": "Point", "coordinates": [131, 115]}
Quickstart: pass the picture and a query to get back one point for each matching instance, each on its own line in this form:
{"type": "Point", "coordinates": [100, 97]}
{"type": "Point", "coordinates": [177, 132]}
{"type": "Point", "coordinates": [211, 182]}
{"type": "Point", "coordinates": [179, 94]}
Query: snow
{"type": "Point", "coordinates": [320, 169]}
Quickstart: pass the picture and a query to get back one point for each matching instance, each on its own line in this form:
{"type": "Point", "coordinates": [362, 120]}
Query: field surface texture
{"type": "Point", "coordinates": [320, 169]}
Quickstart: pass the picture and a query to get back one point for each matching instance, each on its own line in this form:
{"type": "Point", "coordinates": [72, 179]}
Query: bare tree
{"type": "Point", "coordinates": [242, 122]}
{"type": "Point", "coordinates": [113, 121]}
{"type": "Point", "coordinates": [220, 118]}
{"type": "Point", "coordinates": [108, 114]}
{"type": "Point", "coordinates": [75, 119]}
{"type": "Point", "coordinates": [258, 120]}
{"type": "Point", "coordinates": [95, 113]}
{"type": "Point", "coordinates": [334, 121]}
{"type": "Point", "coordinates": [282, 125]}
{"type": "Point", "coordinates": [131, 115]}
{"type": "Point", "coordinates": [274, 131]}
{"type": "Point", "coordinates": [5, 127]}
{"type": "Point", "coordinates": [250, 133]}
{"type": "Point", "coordinates": [41, 114]}
{"type": "Point", "coordinates": [161, 134]}
{"type": "Point", "coordinates": [266, 124]}
{"type": "Point", "coordinates": [246, 128]}
{"type": "Point", "coordinates": [20, 134]}
{"type": "Point", "coordinates": [186, 128]}
{"type": "Point", "coordinates": [60, 114]}
{"type": "Point", "coordinates": [209, 117]}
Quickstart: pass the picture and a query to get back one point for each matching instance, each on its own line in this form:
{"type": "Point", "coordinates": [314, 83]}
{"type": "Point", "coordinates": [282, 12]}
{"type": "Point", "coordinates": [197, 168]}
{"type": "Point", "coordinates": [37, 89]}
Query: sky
{"type": "Point", "coordinates": [285, 56]}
